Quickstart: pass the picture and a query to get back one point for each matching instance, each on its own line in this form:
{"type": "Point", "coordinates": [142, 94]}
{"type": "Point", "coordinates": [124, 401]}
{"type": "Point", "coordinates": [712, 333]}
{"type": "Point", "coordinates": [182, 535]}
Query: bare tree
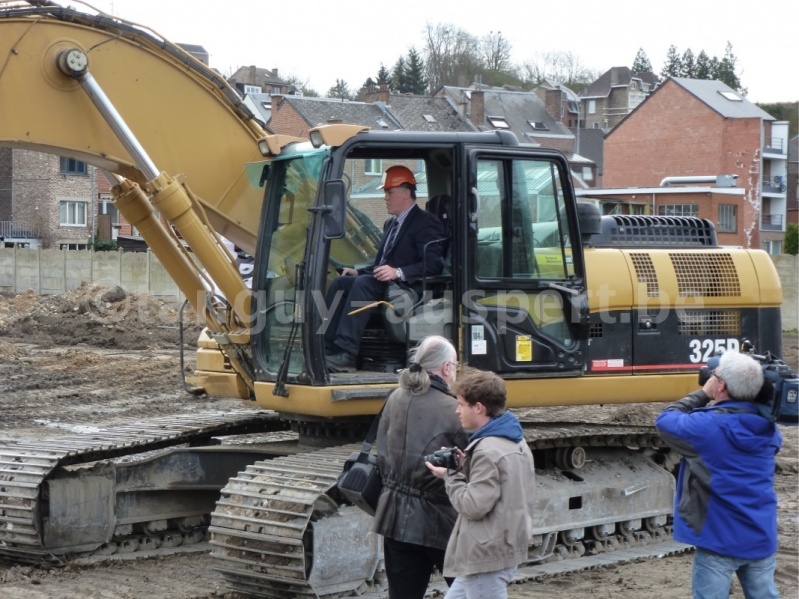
{"type": "Point", "coordinates": [495, 51]}
{"type": "Point", "coordinates": [563, 67]}
{"type": "Point", "coordinates": [452, 56]}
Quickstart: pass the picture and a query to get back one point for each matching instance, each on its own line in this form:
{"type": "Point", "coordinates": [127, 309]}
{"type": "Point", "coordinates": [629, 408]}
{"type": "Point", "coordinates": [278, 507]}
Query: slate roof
{"type": "Point", "coordinates": [426, 113]}
{"type": "Point", "coordinates": [255, 76]}
{"type": "Point", "coordinates": [592, 144]}
{"type": "Point", "coordinates": [710, 92]}
{"type": "Point", "coordinates": [260, 105]}
{"type": "Point", "coordinates": [320, 111]}
{"type": "Point", "coordinates": [517, 109]}
{"type": "Point", "coordinates": [410, 113]}
{"type": "Point", "coordinates": [617, 77]}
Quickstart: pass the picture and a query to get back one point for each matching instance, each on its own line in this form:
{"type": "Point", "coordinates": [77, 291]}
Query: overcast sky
{"type": "Point", "coordinates": [320, 41]}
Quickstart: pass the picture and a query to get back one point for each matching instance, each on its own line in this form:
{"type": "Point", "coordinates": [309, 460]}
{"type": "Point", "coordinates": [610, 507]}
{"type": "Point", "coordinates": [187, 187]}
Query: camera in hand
{"type": "Point", "coordinates": [447, 458]}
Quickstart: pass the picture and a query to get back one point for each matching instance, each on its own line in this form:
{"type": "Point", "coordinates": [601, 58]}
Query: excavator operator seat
{"type": "Point", "coordinates": [410, 318]}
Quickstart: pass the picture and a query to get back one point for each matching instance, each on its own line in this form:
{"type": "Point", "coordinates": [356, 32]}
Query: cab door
{"type": "Point", "coordinates": [524, 303]}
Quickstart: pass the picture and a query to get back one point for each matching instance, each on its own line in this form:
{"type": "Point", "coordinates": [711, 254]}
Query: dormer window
{"type": "Point", "coordinates": [498, 122]}
{"type": "Point", "coordinates": [538, 125]}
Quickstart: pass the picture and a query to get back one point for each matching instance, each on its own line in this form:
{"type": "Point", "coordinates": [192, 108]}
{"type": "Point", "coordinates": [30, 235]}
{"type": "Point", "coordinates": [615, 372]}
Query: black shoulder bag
{"type": "Point", "coordinates": [360, 481]}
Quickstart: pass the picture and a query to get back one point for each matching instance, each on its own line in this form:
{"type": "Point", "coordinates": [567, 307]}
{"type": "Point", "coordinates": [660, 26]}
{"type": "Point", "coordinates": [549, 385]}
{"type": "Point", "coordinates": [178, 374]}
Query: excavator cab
{"type": "Point", "coordinates": [511, 293]}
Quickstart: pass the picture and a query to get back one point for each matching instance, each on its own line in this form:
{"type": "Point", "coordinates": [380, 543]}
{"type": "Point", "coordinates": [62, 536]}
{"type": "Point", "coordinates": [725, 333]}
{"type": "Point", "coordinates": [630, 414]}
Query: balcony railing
{"type": "Point", "coordinates": [16, 230]}
{"type": "Point", "coordinates": [771, 222]}
{"type": "Point", "coordinates": [774, 145]}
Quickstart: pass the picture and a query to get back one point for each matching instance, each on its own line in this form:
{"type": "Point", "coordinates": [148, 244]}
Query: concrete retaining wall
{"type": "Point", "coordinates": [50, 272]}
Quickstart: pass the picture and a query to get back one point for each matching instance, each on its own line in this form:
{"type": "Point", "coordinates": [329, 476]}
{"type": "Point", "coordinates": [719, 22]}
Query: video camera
{"type": "Point", "coordinates": [780, 391]}
{"type": "Point", "coordinates": [447, 458]}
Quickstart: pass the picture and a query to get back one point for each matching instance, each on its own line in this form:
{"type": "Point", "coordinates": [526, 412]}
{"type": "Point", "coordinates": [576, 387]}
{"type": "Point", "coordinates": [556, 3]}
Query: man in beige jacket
{"type": "Point", "coordinates": [492, 491]}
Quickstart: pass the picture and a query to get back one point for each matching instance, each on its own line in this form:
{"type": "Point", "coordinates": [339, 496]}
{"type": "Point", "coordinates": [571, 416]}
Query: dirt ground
{"type": "Point", "coordinates": [97, 356]}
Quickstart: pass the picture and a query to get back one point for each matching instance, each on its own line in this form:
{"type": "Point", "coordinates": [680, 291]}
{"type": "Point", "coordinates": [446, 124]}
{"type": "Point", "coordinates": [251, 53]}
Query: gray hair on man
{"type": "Point", "coordinates": [742, 374]}
{"type": "Point", "coordinates": [429, 356]}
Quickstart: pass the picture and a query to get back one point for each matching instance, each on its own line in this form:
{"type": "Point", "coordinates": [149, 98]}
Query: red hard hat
{"type": "Point", "coordinates": [396, 176]}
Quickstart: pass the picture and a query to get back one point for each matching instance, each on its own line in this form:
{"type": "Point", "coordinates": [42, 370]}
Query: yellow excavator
{"type": "Point", "coordinates": [569, 307]}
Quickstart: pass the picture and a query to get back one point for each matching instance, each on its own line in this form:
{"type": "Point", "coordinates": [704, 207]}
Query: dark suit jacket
{"type": "Point", "coordinates": [408, 251]}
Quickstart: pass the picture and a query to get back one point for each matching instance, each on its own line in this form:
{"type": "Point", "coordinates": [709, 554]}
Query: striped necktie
{"type": "Point", "coordinates": [392, 236]}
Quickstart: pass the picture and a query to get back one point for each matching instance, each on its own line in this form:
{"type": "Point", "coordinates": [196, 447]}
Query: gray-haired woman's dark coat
{"type": "Point", "coordinates": [414, 507]}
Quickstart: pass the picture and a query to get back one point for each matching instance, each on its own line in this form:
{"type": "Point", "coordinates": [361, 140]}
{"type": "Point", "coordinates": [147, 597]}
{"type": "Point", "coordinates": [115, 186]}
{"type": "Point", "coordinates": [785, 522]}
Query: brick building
{"type": "Point", "coordinates": [52, 201]}
{"type": "Point", "coordinates": [690, 128]}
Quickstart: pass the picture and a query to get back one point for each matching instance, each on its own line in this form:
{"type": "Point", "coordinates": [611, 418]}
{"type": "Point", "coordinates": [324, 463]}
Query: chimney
{"type": "Point", "coordinates": [478, 108]}
{"type": "Point", "coordinates": [553, 105]}
{"type": "Point", "coordinates": [253, 75]}
{"type": "Point", "coordinates": [382, 95]}
{"type": "Point", "coordinates": [274, 74]}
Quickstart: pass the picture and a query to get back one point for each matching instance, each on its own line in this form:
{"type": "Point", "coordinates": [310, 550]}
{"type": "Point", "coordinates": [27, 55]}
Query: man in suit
{"type": "Point", "coordinates": [400, 258]}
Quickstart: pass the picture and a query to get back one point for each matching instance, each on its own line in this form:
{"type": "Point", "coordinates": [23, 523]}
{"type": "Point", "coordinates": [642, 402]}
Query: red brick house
{"type": "Point", "coordinates": [695, 128]}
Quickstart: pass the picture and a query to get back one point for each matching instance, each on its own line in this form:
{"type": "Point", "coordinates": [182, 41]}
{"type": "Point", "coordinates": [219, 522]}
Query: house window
{"type": "Point", "coordinates": [70, 166]}
{"type": "Point", "coordinates": [538, 125]}
{"type": "Point", "coordinates": [276, 90]}
{"type": "Point", "coordinates": [591, 106]}
{"type": "Point", "coordinates": [773, 247]}
{"type": "Point", "coordinates": [678, 210]}
{"type": "Point", "coordinates": [73, 213]}
{"type": "Point", "coordinates": [107, 207]}
{"type": "Point", "coordinates": [732, 96]}
{"type": "Point", "coordinates": [373, 166]}
{"type": "Point", "coordinates": [728, 222]}
{"type": "Point", "coordinates": [498, 122]}
{"type": "Point", "coordinates": [588, 173]}
{"type": "Point", "coordinates": [252, 89]}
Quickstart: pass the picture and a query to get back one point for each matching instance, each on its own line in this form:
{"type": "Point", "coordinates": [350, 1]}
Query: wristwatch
{"type": "Point", "coordinates": [399, 274]}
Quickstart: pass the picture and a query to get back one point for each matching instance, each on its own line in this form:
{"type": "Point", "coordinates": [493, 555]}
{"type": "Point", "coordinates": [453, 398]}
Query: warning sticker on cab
{"type": "Point", "coordinates": [524, 348]}
{"type": "Point", "coordinates": [605, 364]}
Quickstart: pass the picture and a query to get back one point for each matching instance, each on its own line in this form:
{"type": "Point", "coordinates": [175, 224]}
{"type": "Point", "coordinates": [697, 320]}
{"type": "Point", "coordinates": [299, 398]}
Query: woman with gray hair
{"type": "Point", "coordinates": [414, 514]}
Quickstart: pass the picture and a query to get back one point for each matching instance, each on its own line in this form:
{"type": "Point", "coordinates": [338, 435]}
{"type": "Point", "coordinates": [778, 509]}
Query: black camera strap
{"type": "Point", "coordinates": [371, 435]}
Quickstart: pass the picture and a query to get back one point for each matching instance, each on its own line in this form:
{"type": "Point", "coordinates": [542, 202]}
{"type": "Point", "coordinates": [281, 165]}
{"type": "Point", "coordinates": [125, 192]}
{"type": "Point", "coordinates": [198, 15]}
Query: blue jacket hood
{"type": "Point", "coordinates": [505, 425]}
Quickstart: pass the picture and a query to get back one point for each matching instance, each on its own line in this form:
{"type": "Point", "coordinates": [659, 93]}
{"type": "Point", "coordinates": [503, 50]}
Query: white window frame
{"type": "Point", "coordinates": [678, 209]}
{"type": "Point", "coordinates": [252, 89]}
{"type": "Point", "coordinates": [728, 223]}
{"type": "Point", "coordinates": [78, 210]}
{"type": "Point", "coordinates": [498, 122]}
{"type": "Point", "coordinates": [373, 166]}
{"type": "Point", "coordinates": [591, 106]}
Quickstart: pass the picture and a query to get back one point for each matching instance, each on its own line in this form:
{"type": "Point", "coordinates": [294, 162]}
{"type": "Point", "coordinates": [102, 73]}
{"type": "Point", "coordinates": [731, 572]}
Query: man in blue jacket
{"type": "Point", "coordinates": [726, 504]}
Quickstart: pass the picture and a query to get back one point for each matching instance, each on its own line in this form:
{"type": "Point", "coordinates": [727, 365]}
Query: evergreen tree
{"type": "Point", "coordinates": [791, 239]}
{"type": "Point", "coordinates": [398, 76]}
{"type": "Point", "coordinates": [340, 90]}
{"type": "Point", "coordinates": [704, 67]}
{"type": "Point", "coordinates": [641, 63]}
{"type": "Point", "coordinates": [688, 68]}
{"type": "Point", "coordinates": [415, 81]}
{"type": "Point", "coordinates": [673, 64]}
{"type": "Point", "coordinates": [383, 76]}
{"type": "Point", "coordinates": [726, 71]}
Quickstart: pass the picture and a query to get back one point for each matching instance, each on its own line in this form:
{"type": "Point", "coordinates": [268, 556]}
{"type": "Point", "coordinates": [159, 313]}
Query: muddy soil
{"type": "Point", "coordinates": [99, 357]}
